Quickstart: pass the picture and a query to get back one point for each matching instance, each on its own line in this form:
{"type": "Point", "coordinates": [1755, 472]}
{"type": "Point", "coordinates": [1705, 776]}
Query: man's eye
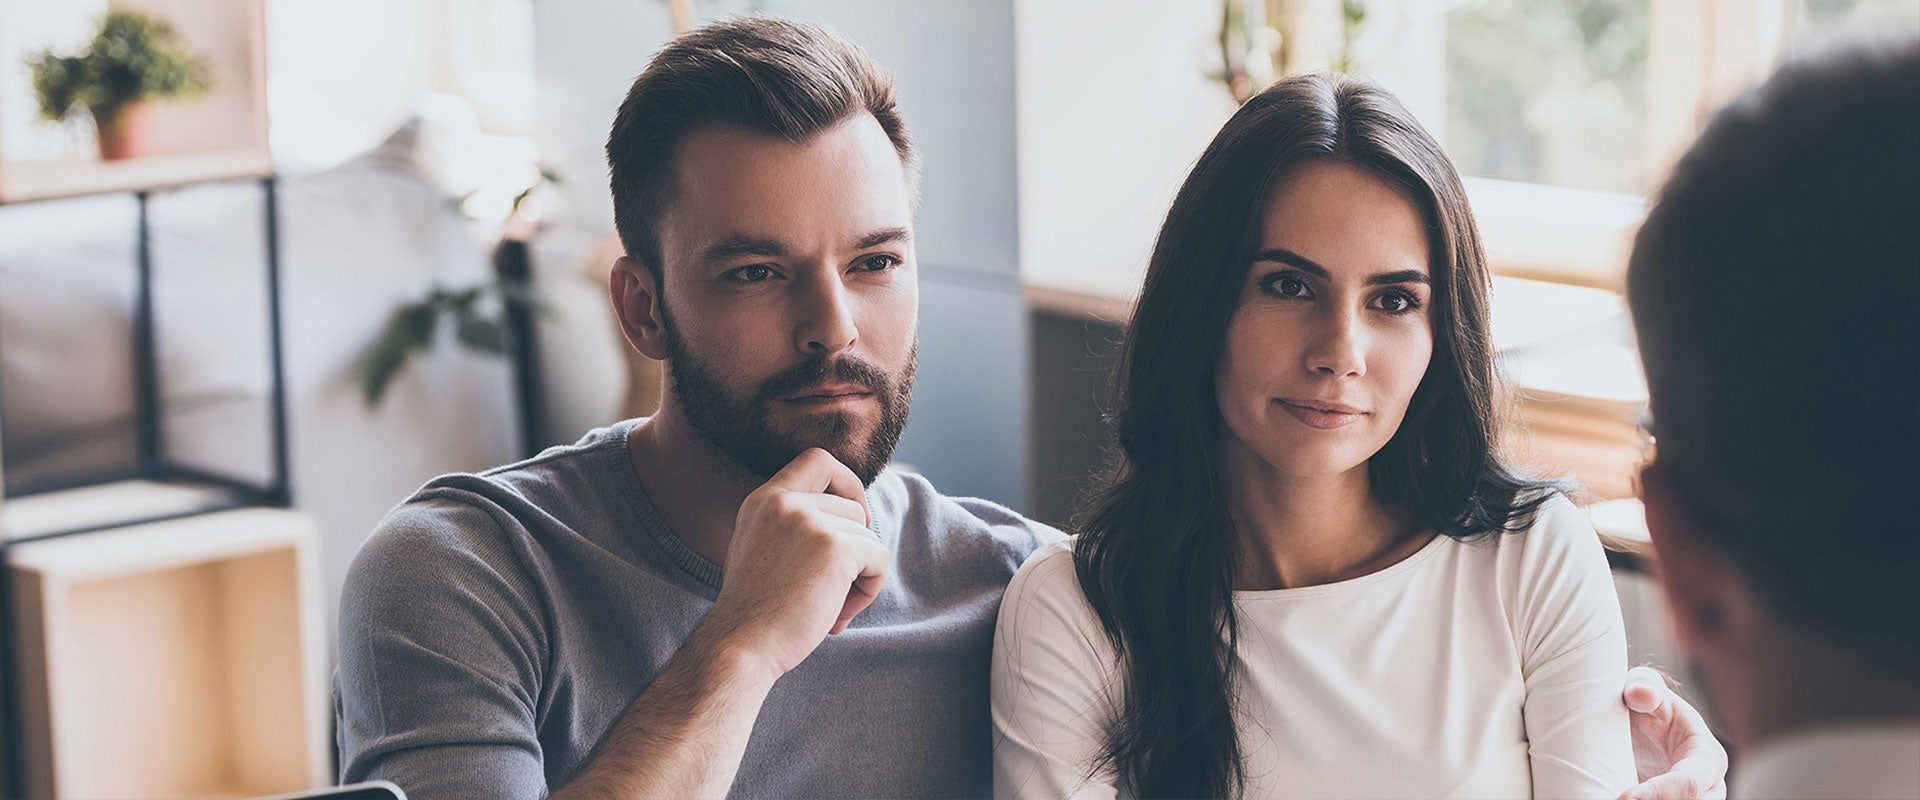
{"type": "Point", "coordinates": [879, 263]}
{"type": "Point", "coordinates": [753, 273]}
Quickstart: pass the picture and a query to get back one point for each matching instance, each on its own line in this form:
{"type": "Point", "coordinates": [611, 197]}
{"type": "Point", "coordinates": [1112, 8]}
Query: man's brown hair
{"type": "Point", "coordinates": [765, 74]}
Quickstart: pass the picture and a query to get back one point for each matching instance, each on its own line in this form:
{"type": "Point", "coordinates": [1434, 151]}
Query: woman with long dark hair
{"type": "Point", "coordinates": [1309, 574]}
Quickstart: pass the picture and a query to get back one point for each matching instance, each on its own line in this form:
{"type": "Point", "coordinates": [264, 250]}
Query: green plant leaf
{"type": "Point", "coordinates": [58, 82]}
{"type": "Point", "coordinates": [134, 56]}
{"type": "Point", "coordinates": [409, 329]}
{"type": "Point", "coordinates": [463, 301]}
{"type": "Point", "coordinates": [482, 334]}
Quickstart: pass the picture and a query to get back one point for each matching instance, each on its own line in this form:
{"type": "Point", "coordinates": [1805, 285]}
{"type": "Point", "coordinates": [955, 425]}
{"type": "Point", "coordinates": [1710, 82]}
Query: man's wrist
{"type": "Point", "coordinates": [732, 659]}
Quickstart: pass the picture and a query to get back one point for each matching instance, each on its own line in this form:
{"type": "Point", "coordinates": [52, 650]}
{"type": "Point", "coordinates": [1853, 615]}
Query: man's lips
{"type": "Point", "coordinates": [829, 394]}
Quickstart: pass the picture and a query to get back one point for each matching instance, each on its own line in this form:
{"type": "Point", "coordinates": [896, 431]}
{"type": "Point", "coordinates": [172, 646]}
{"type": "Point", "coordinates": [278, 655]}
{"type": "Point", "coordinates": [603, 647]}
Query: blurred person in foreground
{"type": "Point", "coordinates": [735, 596]}
{"type": "Point", "coordinates": [1776, 291]}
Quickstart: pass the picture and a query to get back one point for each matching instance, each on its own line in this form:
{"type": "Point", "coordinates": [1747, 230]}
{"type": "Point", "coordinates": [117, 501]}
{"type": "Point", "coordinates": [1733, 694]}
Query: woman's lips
{"type": "Point", "coordinates": [1322, 415]}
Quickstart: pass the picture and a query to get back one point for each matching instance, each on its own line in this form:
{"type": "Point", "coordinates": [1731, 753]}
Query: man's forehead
{"type": "Point", "coordinates": [852, 153]}
{"type": "Point", "coordinates": [837, 188]}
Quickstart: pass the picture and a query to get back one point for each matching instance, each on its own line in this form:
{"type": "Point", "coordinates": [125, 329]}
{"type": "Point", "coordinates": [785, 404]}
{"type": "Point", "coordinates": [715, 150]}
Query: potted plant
{"type": "Point", "coordinates": [490, 318]}
{"type": "Point", "coordinates": [133, 60]}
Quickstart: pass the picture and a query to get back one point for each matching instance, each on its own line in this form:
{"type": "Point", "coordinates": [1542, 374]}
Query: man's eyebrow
{"type": "Point", "coordinates": [1281, 255]}
{"type": "Point", "coordinates": [882, 236]}
{"type": "Point", "coordinates": [734, 247]}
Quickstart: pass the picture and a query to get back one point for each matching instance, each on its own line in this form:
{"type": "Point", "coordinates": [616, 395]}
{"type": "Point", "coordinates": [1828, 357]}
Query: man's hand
{"type": "Point", "coordinates": [801, 565]}
{"type": "Point", "coordinates": [1675, 754]}
{"type": "Point", "coordinates": [802, 562]}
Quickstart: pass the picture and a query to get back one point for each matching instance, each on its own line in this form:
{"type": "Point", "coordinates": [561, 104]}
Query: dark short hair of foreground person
{"type": "Point", "coordinates": [1776, 289]}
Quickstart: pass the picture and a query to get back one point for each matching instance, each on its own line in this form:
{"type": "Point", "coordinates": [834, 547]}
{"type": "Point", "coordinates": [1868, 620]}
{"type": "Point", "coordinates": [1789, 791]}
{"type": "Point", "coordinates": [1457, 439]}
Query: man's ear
{"type": "Point", "coordinates": [1701, 584]}
{"type": "Point", "coordinates": [636, 302]}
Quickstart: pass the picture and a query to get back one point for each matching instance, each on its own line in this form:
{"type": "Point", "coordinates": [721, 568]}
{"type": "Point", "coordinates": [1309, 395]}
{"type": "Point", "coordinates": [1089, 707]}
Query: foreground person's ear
{"type": "Point", "coordinates": [636, 301]}
{"type": "Point", "coordinates": [1699, 581]}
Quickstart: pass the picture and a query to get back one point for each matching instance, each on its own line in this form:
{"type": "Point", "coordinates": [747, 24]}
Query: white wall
{"type": "Point", "coordinates": [1114, 107]}
{"type": "Point", "coordinates": [342, 74]}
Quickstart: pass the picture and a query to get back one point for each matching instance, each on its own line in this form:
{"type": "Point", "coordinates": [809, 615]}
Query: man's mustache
{"type": "Point", "coordinates": [816, 371]}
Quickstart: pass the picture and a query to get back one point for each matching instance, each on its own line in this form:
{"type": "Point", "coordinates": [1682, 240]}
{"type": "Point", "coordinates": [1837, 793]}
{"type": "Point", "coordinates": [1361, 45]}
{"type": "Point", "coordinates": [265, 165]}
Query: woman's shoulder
{"type": "Point", "coordinates": [1046, 593]}
{"type": "Point", "coordinates": [1553, 556]}
{"type": "Point", "coordinates": [1555, 580]}
{"type": "Point", "coordinates": [1047, 632]}
{"type": "Point", "coordinates": [1048, 574]}
{"type": "Point", "coordinates": [1556, 530]}
{"type": "Point", "coordinates": [1561, 533]}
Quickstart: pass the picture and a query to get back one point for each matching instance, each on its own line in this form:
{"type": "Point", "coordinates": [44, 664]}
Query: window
{"type": "Point", "coordinates": [1549, 91]}
{"type": "Point", "coordinates": [1564, 114]}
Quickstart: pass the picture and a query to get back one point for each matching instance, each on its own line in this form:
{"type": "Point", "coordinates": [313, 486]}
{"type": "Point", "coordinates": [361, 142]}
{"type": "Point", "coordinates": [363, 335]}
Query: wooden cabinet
{"type": "Point", "coordinates": [171, 659]}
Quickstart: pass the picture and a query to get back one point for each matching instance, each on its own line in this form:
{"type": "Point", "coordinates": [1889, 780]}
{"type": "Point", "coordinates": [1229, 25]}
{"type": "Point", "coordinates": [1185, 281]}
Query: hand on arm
{"type": "Point", "coordinates": [1675, 754]}
{"type": "Point", "coordinates": [802, 564]}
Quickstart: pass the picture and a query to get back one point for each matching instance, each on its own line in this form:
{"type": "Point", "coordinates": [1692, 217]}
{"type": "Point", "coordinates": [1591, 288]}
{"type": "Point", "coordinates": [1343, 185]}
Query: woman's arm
{"type": "Point", "coordinates": [1051, 669]}
{"type": "Point", "coordinates": [1573, 658]}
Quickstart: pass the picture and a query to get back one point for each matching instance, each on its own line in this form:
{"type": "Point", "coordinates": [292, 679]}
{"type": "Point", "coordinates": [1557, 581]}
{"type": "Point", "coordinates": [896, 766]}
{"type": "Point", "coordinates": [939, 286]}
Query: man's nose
{"type": "Point", "coordinates": [826, 319]}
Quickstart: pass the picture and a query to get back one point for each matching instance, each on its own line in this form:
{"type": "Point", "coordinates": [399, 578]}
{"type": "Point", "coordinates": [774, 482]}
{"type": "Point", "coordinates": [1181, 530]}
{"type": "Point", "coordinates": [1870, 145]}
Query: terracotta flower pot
{"type": "Point", "coordinates": [126, 131]}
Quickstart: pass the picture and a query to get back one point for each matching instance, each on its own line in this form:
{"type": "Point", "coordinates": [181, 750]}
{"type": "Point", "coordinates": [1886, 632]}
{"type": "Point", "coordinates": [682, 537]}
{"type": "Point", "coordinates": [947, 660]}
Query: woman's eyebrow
{"type": "Point", "coordinates": [1402, 276]}
{"type": "Point", "coordinates": [1281, 255]}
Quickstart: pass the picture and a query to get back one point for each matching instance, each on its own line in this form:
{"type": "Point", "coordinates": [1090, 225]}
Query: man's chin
{"type": "Point", "coordinates": [850, 444]}
{"type": "Point", "coordinates": [845, 448]}
{"type": "Point", "coordinates": [823, 427]}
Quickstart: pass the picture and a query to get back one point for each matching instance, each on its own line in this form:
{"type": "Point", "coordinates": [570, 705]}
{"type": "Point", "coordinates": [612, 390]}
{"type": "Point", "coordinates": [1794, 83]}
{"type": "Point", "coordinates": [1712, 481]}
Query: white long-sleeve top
{"type": "Point", "coordinates": [1487, 668]}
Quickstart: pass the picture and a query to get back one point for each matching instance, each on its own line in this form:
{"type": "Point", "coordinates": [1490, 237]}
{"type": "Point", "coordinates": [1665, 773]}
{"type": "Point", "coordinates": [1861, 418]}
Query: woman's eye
{"type": "Point", "coordinates": [879, 263]}
{"type": "Point", "coordinates": [1397, 303]}
{"type": "Point", "coordinates": [1287, 286]}
{"type": "Point", "coordinates": [753, 273]}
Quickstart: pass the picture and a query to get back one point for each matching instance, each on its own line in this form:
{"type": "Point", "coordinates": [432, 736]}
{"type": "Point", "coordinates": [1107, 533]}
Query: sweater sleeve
{"type": "Point", "coordinates": [1574, 660]}
{"type": "Point", "coordinates": [1052, 667]}
{"type": "Point", "coordinates": [440, 657]}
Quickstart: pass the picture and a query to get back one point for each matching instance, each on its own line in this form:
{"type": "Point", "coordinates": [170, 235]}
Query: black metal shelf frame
{"type": "Point", "coordinates": [153, 463]}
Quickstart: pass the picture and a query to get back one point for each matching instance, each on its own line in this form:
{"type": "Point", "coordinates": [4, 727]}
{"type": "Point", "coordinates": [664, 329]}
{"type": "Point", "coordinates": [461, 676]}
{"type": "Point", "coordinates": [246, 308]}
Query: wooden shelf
{"type": "Point", "coordinates": [106, 505]}
{"type": "Point", "coordinates": [174, 659]}
{"type": "Point", "coordinates": [219, 135]}
{"type": "Point", "coordinates": [51, 180]}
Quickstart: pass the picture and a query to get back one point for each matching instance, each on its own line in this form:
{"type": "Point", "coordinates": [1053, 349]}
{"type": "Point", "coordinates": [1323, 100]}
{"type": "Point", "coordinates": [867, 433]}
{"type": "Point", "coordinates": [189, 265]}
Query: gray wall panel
{"type": "Point", "coordinates": [969, 430]}
{"type": "Point", "coordinates": [952, 62]}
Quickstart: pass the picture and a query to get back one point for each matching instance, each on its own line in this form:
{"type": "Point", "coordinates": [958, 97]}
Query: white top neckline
{"type": "Point", "coordinates": [1391, 571]}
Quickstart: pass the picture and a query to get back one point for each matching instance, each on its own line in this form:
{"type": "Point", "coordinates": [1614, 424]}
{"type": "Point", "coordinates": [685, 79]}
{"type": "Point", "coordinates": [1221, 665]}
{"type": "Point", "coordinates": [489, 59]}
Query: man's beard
{"type": "Point", "coordinates": [739, 426]}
